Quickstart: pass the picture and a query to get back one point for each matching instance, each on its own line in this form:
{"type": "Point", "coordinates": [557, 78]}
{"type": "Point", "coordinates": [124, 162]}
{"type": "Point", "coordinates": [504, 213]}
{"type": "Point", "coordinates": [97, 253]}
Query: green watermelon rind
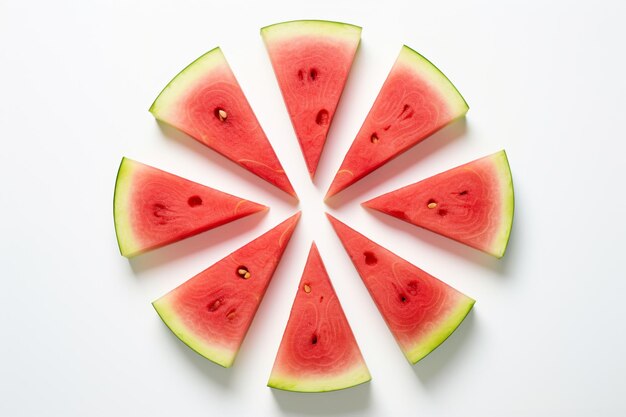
{"type": "Point", "coordinates": [126, 240]}
{"type": "Point", "coordinates": [293, 28]}
{"type": "Point", "coordinates": [507, 199]}
{"type": "Point", "coordinates": [443, 330]}
{"type": "Point", "coordinates": [213, 352]}
{"type": "Point", "coordinates": [437, 78]}
{"type": "Point", "coordinates": [184, 80]}
{"type": "Point", "coordinates": [357, 376]}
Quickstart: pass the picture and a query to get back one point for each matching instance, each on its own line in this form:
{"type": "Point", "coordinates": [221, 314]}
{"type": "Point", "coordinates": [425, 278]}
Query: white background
{"type": "Point", "coordinates": [544, 80]}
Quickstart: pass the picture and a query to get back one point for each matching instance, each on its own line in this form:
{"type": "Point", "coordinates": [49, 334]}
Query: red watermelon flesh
{"type": "Point", "coordinates": [318, 351]}
{"type": "Point", "coordinates": [153, 208]}
{"type": "Point", "coordinates": [206, 102]}
{"type": "Point", "coordinates": [472, 204]}
{"type": "Point", "coordinates": [420, 310]}
{"type": "Point", "coordinates": [212, 312]}
{"type": "Point", "coordinates": [415, 101]}
{"type": "Point", "coordinates": [311, 60]}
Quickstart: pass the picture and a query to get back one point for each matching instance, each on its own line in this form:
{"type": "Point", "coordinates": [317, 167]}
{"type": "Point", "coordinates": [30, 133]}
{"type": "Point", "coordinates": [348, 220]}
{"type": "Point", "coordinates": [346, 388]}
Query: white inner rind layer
{"type": "Point", "coordinates": [443, 330]}
{"type": "Point", "coordinates": [186, 80]}
{"type": "Point", "coordinates": [309, 28]}
{"type": "Point", "coordinates": [320, 383]}
{"type": "Point", "coordinates": [212, 351]}
{"type": "Point", "coordinates": [428, 72]}
{"type": "Point", "coordinates": [126, 240]}
{"type": "Point", "coordinates": [507, 203]}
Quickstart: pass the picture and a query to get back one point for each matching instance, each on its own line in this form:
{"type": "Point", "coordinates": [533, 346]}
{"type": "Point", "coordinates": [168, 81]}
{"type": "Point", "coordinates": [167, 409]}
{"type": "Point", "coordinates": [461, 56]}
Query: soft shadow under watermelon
{"type": "Point", "coordinates": [194, 244]}
{"type": "Point", "coordinates": [452, 349]}
{"type": "Point", "coordinates": [349, 400]}
{"type": "Point", "coordinates": [400, 164]}
{"type": "Point", "coordinates": [209, 370]}
{"type": "Point", "coordinates": [223, 163]}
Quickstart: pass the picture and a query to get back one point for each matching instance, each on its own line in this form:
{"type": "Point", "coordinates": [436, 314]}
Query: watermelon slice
{"type": "Point", "coordinates": [311, 60]}
{"type": "Point", "coordinates": [212, 312]}
{"type": "Point", "coordinates": [153, 208]}
{"type": "Point", "coordinates": [420, 310]}
{"type": "Point", "coordinates": [415, 101]}
{"type": "Point", "coordinates": [206, 102]}
{"type": "Point", "coordinates": [472, 203]}
{"type": "Point", "coordinates": [318, 351]}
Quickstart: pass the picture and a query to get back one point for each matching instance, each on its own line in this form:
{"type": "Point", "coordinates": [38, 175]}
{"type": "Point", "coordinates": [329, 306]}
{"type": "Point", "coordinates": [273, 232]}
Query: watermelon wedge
{"type": "Point", "coordinates": [311, 60]}
{"type": "Point", "coordinates": [420, 310]}
{"type": "Point", "coordinates": [153, 208]}
{"type": "Point", "coordinates": [318, 351]}
{"type": "Point", "coordinates": [472, 204]}
{"type": "Point", "coordinates": [211, 313]}
{"type": "Point", "coordinates": [206, 102]}
{"type": "Point", "coordinates": [415, 101]}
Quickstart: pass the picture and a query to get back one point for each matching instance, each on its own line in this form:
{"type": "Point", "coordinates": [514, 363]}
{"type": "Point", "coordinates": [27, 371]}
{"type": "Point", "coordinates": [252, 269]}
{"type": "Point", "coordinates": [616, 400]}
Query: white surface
{"type": "Point", "coordinates": [544, 80]}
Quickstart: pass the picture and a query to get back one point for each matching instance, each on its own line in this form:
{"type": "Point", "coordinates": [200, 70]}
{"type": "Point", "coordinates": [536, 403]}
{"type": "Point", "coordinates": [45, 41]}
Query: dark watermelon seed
{"type": "Point", "coordinates": [313, 74]}
{"type": "Point", "coordinates": [322, 117]}
{"type": "Point", "coordinates": [370, 258]}
{"type": "Point", "coordinates": [464, 192]}
{"type": "Point", "coordinates": [374, 138]}
{"type": "Point", "coordinates": [301, 75]}
{"type": "Point", "coordinates": [407, 112]}
{"type": "Point", "coordinates": [194, 201]}
{"type": "Point", "coordinates": [157, 209]}
{"type": "Point", "coordinates": [442, 212]}
{"type": "Point", "coordinates": [403, 298]}
{"type": "Point", "coordinates": [321, 298]}
{"type": "Point", "coordinates": [314, 339]}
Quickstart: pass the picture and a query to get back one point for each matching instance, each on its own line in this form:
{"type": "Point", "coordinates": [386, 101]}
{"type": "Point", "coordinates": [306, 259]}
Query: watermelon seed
{"type": "Point", "coordinates": [243, 272]}
{"type": "Point", "coordinates": [301, 75]}
{"type": "Point", "coordinates": [370, 258]}
{"type": "Point", "coordinates": [321, 298]}
{"type": "Point", "coordinates": [322, 117]}
{"type": "Point", "coordinates": [442, 212]}
{"type": "Point", "coordinates": [314, 339]}
{"type": "Point", "coordinates": [313, 74]}
{"type": "Point", "coordinates": [403, 298]}
{"type": "Point", "coordinates": [374, 138]}
{"type": "Point", "coordinates": [231, 314]}
{"type": "Point", "coordinates": [386, 127]}
{"type": "Point", "coordinates": [464, 192]}
{"type": "Point", "coordinates": [160, 211]}
{"type": "Point", "coordinates": [194, 201]}
{"type": "Point", "coordinates": [307, 288]}
{"type": "Point", "coordinates": [221, 114]}
{"type": "Point", "coordinates": [404, 110]}
{"type": "Point", "coordinates": [215, 304]}
{"type": "Point", "coordinates": [431, 204]}
{"type": "Point", "coordinates": [412, 287]}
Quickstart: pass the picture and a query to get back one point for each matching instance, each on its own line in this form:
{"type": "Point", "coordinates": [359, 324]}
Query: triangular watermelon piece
{"type": "Point", "coordinates": [472, 204]}
{"type": "Point", "coordinates": [206, 102]}
{"type": "Point", "coordinates": [415, 101]}
{"type": "Point", "coordinates": [211, 313]}
{"type": "Point", "coordinates": [153, 208]}
{"type": "Point", "coordinates": [420, 310]}
{"type": "Point", "coordinates": [311, 60]}
{"type": "Point", "coordinates": [318, 351]}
